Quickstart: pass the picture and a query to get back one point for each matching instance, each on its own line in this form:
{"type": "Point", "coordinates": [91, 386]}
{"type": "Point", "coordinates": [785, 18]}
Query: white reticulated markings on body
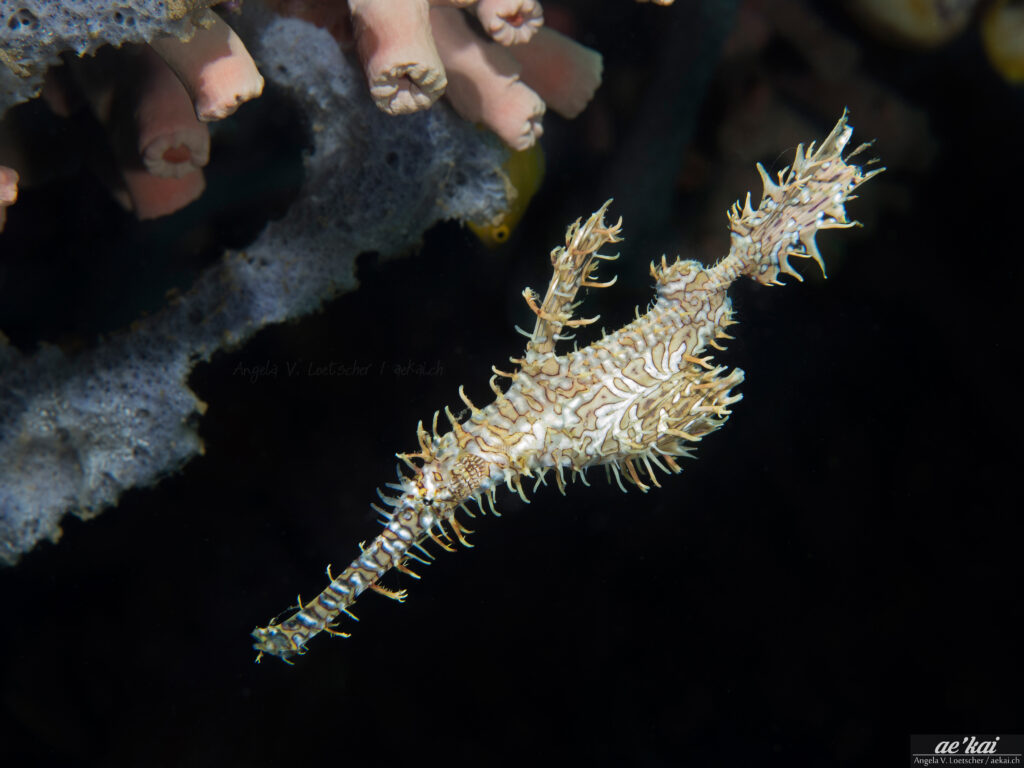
{"type": "Point", "coordinates": [633, 401]}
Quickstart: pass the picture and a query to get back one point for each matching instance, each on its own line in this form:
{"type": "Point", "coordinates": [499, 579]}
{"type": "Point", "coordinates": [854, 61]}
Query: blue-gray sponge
{"type": "Point", "coordinates": [75, 432]}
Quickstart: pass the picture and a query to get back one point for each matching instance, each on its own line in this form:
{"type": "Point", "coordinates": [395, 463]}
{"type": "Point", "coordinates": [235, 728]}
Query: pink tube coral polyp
{"type": "Point", "coordinates": [214, 66]}
{"type": "Point", "coordinates": [171, 140]}
{"type": "Point", "coordinates": [510, 22]}
{"type": "Point", "coordinates": [395, 44]}
{"type": "Point", "coordinates": [8, 191]}
{"type": "Point", "coordinates": [483, 82]}
{"type": "Point", "coordinates": [415, 51]}
{"type": "Point", "coordinates": [564, 73]}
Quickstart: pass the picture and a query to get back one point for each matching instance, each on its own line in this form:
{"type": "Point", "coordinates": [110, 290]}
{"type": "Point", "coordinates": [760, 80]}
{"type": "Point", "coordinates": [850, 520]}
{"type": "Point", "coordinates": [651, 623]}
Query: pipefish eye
{"type": "Point", "coordinates": [501, 233]}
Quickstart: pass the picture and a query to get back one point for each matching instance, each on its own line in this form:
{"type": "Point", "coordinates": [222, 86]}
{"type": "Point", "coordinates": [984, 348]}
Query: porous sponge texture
{"type": "Point", "coordinates": [34, 32]}
{"type": "Point", "coordinates": [75, 432]}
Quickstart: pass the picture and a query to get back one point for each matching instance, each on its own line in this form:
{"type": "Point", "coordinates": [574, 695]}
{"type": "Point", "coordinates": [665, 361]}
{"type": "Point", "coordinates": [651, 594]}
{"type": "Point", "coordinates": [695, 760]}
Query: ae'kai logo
{"type": "Point", "coordinates": [970, 744]}
{"type": "Point", "coordinates": [966, 750]}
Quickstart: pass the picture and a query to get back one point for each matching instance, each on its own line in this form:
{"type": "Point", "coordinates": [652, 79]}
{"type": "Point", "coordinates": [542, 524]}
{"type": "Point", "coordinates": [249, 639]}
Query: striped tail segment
{"type": "Point", "coordinates": [407, 527]}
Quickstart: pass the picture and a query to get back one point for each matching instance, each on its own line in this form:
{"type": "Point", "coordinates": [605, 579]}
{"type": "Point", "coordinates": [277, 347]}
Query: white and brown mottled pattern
{"type": "Point", "coordinates": [633, 401]}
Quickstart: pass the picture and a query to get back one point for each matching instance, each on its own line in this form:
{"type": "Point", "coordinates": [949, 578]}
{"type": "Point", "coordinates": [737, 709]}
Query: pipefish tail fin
{"type": "Point", "coordinates": [805, 197]}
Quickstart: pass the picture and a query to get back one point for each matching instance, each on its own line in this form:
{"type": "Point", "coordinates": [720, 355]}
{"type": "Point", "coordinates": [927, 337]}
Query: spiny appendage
{"type": "Point", "coordinates": [407, 526]}
{"type": "Point", "coordinates": [809, 196]}
{"type": "Point", "coordinates": [418, 514]}
{"type": "Point", "coordinates": [679, 394]}
{"type": "Point", "coordinates": [682, 412]}
{"type": "Point", "coordinates": [574, 266]}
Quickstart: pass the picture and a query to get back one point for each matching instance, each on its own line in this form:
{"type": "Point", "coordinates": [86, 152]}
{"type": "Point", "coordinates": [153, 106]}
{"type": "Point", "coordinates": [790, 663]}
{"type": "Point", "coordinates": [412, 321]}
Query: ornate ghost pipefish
{"type": "Point", "coordinates": [632, 402]}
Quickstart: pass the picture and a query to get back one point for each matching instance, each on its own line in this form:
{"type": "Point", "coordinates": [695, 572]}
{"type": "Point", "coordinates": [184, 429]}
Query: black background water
{"type": "Point", "coordinates": [838, 570]}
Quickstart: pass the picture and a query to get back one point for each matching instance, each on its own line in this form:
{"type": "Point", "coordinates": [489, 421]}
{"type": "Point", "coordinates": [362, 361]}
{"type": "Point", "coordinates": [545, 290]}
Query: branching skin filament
{"type": "Point", "coordinates": [633, 402]}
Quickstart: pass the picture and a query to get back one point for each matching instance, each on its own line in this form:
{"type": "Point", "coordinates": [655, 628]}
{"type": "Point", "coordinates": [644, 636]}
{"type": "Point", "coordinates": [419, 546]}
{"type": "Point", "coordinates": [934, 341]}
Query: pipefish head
{"type": "Point", "coordinates": [423, 497]}
{"type": "Point", "coordinates": [431, 486]}
{"type": "Point", "coordinates": [281, 640]}
{"type": "Point", "coordinates": [426, 499]}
